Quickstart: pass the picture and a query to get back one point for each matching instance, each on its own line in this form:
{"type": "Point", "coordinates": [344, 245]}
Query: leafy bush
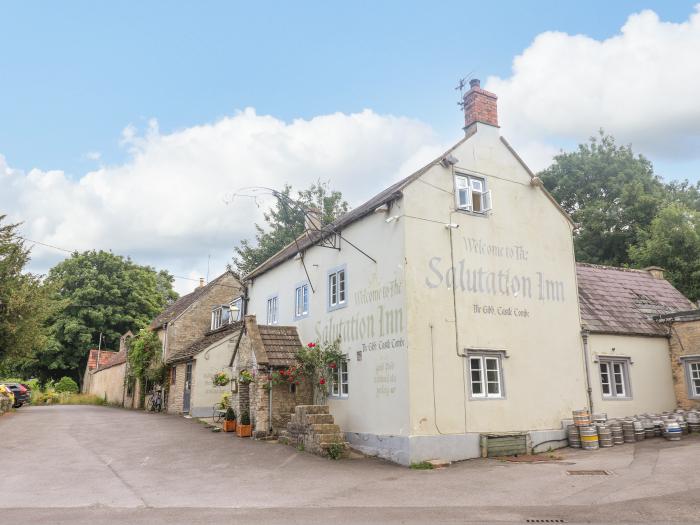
{"type": "Point", "coordinates": [335, 450]}
{"type": "Point", "coordinates": [230, 414]}
{"type": "Point", "coordinates": [47, 397]}
{"type": "Point", "coordinates": [245, 418]}
{"type": "Point", "coordinates": [67, 385]}
{"type": "Point", "coordinates": [82, 399]}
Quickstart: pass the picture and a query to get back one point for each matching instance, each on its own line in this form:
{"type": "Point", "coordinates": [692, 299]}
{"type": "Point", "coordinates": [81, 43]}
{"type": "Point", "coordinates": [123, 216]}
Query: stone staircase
{"type": "Point", "coordinates": [313, 428]}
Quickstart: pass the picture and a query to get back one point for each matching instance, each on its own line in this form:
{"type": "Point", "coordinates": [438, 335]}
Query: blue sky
{"type": "Point", "coordinates": [128, 125]}
{"type": "Point", "coordinates": [77, 72]}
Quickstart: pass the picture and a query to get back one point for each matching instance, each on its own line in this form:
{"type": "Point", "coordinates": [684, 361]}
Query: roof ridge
{"type": "Point", "coordinates": [609, 267]}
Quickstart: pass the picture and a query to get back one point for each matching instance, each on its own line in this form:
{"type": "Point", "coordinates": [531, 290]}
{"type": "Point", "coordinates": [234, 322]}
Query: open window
{"type": "Point", "coordinates": [472, 194]}
{"type": "Point", "coordinates": [220, 316]}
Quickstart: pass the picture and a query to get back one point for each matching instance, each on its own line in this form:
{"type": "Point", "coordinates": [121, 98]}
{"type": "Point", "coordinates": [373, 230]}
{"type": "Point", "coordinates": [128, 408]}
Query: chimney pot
{"type": "Point", "coordinates": [312, 219]}
{"type": "Point", "coordinates": [201, 282]}
{"type": "Point", "coordinates": [474, 82]}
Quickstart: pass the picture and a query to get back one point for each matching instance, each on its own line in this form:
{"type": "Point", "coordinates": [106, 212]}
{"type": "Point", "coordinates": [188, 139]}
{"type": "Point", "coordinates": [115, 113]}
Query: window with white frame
{"type": "Point", "coordinates": [471, 194]}
{"type": "Point", "coordinates": [485, 376]}
{"type": "Point", "coordinates": [692, 374]}
{"type": "Point", "coordinates": [301, 301]}
{"type": "Point", "coordinates": [339, 379]}
{"type": "Point", "coordinates": [273, 310]}
{"type": "Point", "coordinates": [336, 288]}
{"type": "Point", "coordinates": [614, 378]}
{"type": "Point", "coordinates": [219, 316]}
{"type": "Point", "coordinates": [236, 310]}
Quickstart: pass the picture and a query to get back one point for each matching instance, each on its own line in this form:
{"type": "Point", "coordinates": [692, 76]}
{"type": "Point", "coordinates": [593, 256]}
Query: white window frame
{"type": "Point", "coordinates": [466, 187]}
{"type": "Point", "coordinates": [340, 384]}
{"type": "Point", "coordinates": [691, 365]}
{"type": "Point", "coordinates": [273, 309]}
{"type": "Point", "coordinates": [301, 300]}
{"type": "Point", "coordinates": [238, 302]}
{"type": "Point", "coordinates": [337, 286]}
{"type": "Point", "coordinates": [614, 378]}
{"type": "Point", "coordinates": [220, 316]}
{"type": "Point", "coordinates": [479, 375]}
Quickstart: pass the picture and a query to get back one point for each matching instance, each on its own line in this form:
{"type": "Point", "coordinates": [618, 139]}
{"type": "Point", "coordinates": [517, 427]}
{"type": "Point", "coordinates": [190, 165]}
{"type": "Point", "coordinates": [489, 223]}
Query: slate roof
{"type": "Point", "coordinates": [624, 301]}
{"type": "Point", "coordinates": [281, 344]}
{"type": "Point", "coordinates": [312, 237]}
{"type": "Point", "coordinates": [184, 302]}
{"type": "Point", "coordinates": [209, 338]}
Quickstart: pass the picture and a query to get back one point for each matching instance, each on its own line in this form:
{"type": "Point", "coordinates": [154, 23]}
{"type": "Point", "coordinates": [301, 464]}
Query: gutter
{"type": "Point", "coordinates": [589, 390]}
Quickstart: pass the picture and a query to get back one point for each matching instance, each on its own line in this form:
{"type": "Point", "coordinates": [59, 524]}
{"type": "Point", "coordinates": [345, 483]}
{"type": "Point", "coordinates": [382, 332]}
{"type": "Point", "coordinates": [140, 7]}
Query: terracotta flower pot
{"type": "Point", "coordinates": [229, 425]}
{"type": "Point", "coordinates": [244, 431]}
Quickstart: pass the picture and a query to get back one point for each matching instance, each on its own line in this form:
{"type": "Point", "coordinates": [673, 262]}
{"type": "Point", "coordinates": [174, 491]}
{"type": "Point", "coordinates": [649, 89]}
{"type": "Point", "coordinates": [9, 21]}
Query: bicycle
{"type": "Point", "coordinates": [155, 402]}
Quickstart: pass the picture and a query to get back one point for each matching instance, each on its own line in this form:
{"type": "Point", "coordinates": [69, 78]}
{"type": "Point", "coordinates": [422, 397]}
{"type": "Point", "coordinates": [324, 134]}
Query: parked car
{"type": "Point", "coordinates": [20, 392]}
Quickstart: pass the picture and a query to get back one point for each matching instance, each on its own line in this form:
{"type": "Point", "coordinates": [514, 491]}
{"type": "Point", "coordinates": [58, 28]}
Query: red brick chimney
{"type": "Point", "coordinates": [479, 105]}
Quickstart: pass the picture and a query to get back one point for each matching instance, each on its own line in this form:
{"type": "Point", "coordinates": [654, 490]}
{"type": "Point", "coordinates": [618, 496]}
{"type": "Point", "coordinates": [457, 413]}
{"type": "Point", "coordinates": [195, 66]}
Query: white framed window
{"type": "Point", "coordinates": [471, 194]}
{"type": "Point", "coordinates": [220, 316]}
{"type": "Point", "coordinates": [236, 310]}
{"type": "Point", "coordinates": [273, 310]}
{"type": "Point", "coordinates": [692, 377]}
{"type": "Point", "coordinates": [485, 376]}
{"type": "Point", "coordinates": [614, 378]}
{"type": "Point", "coordinates": [301, 301]}
{"type": "Point", "coordinates": [339, 380]}
{"type": "Point", "coordinates": [337, 285]}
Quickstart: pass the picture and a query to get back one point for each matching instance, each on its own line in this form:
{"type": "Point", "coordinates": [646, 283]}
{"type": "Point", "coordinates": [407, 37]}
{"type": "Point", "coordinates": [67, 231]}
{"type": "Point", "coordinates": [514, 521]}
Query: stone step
{"type": "Point", "coordinates": [302, 410]}
{"type": "Point", "coordinates": [325, 428]}
{"type": "Point", "coordinates": [336, 437]}
{"type": "Point", "coordinates": [320, 419]}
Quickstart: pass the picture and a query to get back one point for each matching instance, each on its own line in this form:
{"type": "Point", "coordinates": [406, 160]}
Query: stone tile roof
{"type": "Point", "coordinates": [209, 339]}
{"type": "Point", "coordinates": [311, 237]}
{"type": "Point", "coordinates": [281, 344]}
{"type": "Point", "coordinates": [105, 357]}
{"type": "Point", "coordinates": [624, 301]}
{"type": "Point", "coordinates": [174, 310]}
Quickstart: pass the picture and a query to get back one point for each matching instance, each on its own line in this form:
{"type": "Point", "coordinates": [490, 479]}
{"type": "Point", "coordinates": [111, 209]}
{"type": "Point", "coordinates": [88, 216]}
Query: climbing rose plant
{"type": "Point", "coordinates": [317, 362]}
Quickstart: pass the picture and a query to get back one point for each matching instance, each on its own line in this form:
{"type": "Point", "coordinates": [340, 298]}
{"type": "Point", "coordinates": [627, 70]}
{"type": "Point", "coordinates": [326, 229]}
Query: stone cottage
{"type": "Point", "coordinates": [187, 320]}
{"type": "Point", "coordinates": [233, 348]}
{"type": "Point", "coordinates": [108, 380]}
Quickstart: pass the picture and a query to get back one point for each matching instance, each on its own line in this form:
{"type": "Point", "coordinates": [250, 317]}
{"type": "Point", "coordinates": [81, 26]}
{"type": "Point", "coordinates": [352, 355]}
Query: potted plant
{"type": "Point", "coordinates": [244, 428]}
{"type": "Point", "coordinates": [230, 420]}
{"type": "Point", "coordinates": [221, 379]}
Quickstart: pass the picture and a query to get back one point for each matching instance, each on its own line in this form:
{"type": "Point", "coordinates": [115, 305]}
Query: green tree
{"type": "Point", "coordinates": [612, 194]}
{"type": "Point", "coordinates": [673, 242]}
{"type": "Point", "coordinates": [285, 222]}
{"type": "Point", "coordinates": [98, 292]}
{"type": "Point", "coordinates": [23, 300]}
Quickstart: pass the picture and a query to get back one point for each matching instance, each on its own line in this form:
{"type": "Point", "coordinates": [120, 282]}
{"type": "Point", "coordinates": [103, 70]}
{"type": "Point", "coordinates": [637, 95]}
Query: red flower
{"type": "Point", "coordinates": [332, 365]}
{"type": "Point", "coordinates": [311, 345]}
{"type": "Point", "coordinates": [322, 381]}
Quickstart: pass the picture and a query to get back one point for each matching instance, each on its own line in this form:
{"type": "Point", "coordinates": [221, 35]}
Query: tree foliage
{"type": "Point", "coordinates": [24, 303]}
{"type": "Point", "coordinates": [98, 292]}
{"type": "Point", "coordinates": [611, 193]}
{"type": "Point", "coordinates": [673, 242]}
{"type": "Point", "coordinates": [144, 356]}
{"type": "Point", "coordinates": [285, 222]}
{"type": "Point", "coordinates": [625, 214]}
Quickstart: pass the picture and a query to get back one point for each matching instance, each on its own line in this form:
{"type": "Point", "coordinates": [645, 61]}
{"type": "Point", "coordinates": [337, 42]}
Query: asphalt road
{"type": "Point", "coordinates": [84, 464]}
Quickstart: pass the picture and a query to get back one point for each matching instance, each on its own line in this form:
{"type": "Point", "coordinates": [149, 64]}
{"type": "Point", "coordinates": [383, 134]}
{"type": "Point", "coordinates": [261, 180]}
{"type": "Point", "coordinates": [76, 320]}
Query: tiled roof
{"type": "Point", "coordinates": [624, 301]}
{"type": "Point", "coordinates": [118, 358]}
{"type": "Point", "coordinates": [312, 237]}
{"type": "Point", "coordinates": [208, 339]}
{"type": "Point", "coordinates": [105, 357]}
{"type": "Point", "coordinates": [281, 344]}
{"type": "Point", "coordinates": [184, 302]}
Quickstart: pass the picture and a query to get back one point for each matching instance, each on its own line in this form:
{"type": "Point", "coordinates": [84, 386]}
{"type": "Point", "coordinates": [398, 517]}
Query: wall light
{"type": "Point", "coordinates": [452, 226]}
{"type": "Point", "coordinates": [391, 219]}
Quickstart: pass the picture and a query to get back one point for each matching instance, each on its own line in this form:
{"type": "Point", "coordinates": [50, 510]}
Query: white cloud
{"type": "Point", "coordinates": [641, 85]}
{"type": "Point", "coordinates": [166, 205]}
{"type": "Point", "coordinates": [93, 155]}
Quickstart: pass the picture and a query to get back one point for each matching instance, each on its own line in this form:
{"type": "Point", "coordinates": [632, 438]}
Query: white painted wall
{"type": "Point", "coordinates": [650, 375]}
{"type": "Point", "coordinates": [208, 362]}
{"type": "Point", "coordinates": [525, 238]}
{"type": "Point", "coordinates": [373, 322]}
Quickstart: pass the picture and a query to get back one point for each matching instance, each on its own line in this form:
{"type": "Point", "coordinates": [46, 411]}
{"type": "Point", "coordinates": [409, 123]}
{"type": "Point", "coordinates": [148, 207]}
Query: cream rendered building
{"type": "Point", "coordinates": [454, 294]}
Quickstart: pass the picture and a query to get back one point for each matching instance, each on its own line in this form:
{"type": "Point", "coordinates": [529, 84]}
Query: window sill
{"type": "Point", "coordinates": [300, 317]}
{"type": "Point", "coordinates": [617, 398]}
{"type": "Point", "coordinates": [337, 306]}
{"type": "Point", "coordinates": [482, 214]}
{"type": "Point", "coordinates": [338, 398]}
{"type": "Point", "coordinates": [501, 398]}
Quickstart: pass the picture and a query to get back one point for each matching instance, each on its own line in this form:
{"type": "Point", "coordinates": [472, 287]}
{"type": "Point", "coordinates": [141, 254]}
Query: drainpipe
{"type": "Point", "coordinates": [589, 390]}
{"type": "Point", "coordinates": [269, 401]}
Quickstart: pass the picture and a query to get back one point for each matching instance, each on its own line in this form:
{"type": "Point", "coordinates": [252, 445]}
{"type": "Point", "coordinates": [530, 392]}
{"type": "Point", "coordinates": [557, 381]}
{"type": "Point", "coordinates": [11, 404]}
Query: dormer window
{"type": "Point", "coordinates": [220, 316]}
{"type": "Point", "coordinates": [471, 194]}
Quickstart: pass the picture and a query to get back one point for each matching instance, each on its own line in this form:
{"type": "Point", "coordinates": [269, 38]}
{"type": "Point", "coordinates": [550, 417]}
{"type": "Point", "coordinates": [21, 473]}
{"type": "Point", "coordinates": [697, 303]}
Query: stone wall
{"type": "Point", "coordinates": [177, 389]}
{"type": "Point", "coordinates": [685, 341]}
{"type": "Point", "coordinates": [108, 383]}
{"type": "Point", "coordinates": [196, 320]}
